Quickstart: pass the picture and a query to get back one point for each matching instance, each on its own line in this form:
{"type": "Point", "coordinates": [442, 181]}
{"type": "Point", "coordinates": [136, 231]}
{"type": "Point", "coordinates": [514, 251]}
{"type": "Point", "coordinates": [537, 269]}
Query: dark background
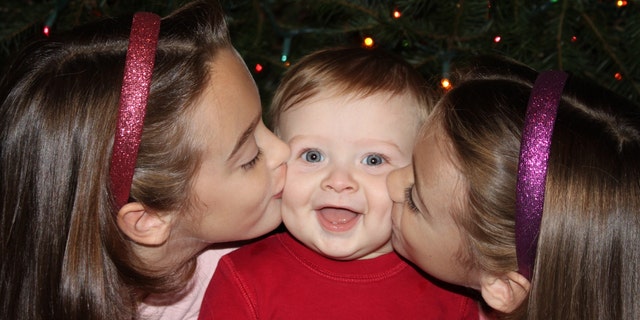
{"type": "Point", "coordinates": [597, 40]}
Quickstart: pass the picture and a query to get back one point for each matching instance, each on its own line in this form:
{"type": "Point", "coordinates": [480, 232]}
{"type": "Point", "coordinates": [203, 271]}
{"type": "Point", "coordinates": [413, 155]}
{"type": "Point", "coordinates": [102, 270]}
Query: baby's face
{"type": "Point", "coordinates": [335, 199]}
{"type": "Point", "coordinates": [425, 197]}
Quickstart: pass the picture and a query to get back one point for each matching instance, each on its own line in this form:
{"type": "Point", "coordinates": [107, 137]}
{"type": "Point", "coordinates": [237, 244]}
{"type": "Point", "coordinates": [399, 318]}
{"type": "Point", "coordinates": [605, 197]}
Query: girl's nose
{"type": "Point", "coordinates": [277, 152]}
{"type": "Point", "coordinates": [397, 181]}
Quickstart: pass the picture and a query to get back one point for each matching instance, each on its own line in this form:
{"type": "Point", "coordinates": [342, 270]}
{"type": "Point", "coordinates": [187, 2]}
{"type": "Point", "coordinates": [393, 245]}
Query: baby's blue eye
{"type": "Point", "coordinates": [373, 160]}
{"type": "Point", "coordinates": [312, 156]}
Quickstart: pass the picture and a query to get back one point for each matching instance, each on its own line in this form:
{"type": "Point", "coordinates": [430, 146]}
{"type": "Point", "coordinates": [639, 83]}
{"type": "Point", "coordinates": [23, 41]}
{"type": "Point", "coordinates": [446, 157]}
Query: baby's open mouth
{"type": "Point", "coordinates": [337, 219]}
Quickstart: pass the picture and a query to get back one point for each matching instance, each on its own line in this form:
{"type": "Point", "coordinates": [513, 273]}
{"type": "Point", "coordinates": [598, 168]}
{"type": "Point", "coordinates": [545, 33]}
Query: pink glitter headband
{"type": "Point", "coordinates": [133, 102]}
{"type": "Point", "coordinates": [532, 167]}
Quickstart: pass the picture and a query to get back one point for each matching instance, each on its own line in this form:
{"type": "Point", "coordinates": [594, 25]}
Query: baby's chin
{"type": "Point", "coordinates": [344, 253]}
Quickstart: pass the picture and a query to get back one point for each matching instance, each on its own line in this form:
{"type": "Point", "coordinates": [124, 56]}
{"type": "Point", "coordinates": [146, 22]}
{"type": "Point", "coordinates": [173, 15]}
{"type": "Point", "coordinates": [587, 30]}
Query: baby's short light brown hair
{"type": "Point", "coordinates": [350, 70]}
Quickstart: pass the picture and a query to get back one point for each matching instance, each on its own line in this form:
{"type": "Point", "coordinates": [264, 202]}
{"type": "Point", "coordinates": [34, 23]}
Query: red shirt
{"type": "Point", "coordinates": [279, 278]}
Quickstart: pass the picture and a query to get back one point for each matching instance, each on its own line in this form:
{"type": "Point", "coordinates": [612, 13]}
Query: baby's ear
{"type": "Point", "coordinates": [142, 226]}
{"type": "Point", "coordinates": [505, 293]}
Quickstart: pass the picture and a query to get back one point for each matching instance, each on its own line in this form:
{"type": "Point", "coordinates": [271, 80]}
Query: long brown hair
{"type": "Point", "coordinates": [63, 257]}
{"type": "Point", "coordinates": [588, 254]}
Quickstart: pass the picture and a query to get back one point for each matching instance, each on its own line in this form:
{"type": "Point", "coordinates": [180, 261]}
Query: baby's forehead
{"type": "Point", "coordinates": [353, 94]}
{"type": "Point", "coordinates": [348, 117]}
{"type": "Point", "coordinates": [334, 102]}
{"type": "Point", "coordinates": [355, 91]}
{"type": "Point", "coordinates": [368, 101]}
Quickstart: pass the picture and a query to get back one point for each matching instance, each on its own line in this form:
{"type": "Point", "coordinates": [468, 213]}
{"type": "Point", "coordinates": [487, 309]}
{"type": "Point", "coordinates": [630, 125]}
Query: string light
{"type": "Point", "coordinates": [258, 68]}
{"type": "Point", "coordinates": [497, 39]}
{"type": "Point", "coordinates": [574, 39]}
{"type": "Point", "coordinates": [446, 66]}
{"type": "Point", "coordinates": [445, 83]}
{"type": "Point", "coordinates": [368, 42]}
{"type": "Point", "coordinates": [286, 48]}
{"type": "Point", "coordinates": [51, 20]}
{"type": "Point", "coordinates": [618, 76]}
{"type": "Point", "coordinates": [397, 14]}
{"type": "Point", "coordinates": [621, 3]}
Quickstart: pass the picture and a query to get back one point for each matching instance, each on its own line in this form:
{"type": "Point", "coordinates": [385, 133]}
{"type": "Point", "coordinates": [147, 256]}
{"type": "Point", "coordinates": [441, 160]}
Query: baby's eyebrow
{"type": "Point", "coordinates": [244, 137]}
{"type": "Point", "coordinates": [391, 144]}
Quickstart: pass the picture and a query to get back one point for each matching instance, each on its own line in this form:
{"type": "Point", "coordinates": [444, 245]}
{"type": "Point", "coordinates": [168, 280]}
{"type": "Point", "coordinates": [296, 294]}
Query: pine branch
{"type": "Point", "coordinates": [592, 39]}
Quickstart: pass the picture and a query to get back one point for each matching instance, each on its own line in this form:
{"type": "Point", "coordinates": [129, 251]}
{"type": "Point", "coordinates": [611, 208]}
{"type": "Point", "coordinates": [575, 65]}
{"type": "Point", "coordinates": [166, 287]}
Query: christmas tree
{"type": "Point", "coordinates": [594, 39]}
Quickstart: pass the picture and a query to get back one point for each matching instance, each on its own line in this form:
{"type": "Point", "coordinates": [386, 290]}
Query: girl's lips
{"type": "Point", "coordinates": [337, 219]}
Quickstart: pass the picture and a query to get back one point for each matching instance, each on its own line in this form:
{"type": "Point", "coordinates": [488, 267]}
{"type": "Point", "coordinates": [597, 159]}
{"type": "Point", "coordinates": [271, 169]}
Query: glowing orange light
{"type": "Point", "coordinates": [397, 14]}
{"type": "Point", "coordinates": [368, 42]}
{"type": "Point", "coordinates": [445, 83]}
{"type": "Point", "coordinates": [497, 39]}
{"type": "Point", "coordinates": [621, 3]}
{"type": "Point", "coordinates": [618, 76]}
{"type": "Point", "coordinates": [46, 30]}
{"type": "Point", "coordinates": [287, 64]}
{"type": "Point", "coordinates": [258, 67]}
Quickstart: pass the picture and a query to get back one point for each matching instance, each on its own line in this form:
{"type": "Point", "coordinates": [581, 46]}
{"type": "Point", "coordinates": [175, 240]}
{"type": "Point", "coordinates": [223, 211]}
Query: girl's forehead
{"type": "Point", "coordinates": [433, 138]}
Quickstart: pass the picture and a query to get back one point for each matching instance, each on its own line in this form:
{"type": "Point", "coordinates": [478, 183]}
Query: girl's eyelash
{"type": "Point", "coordinates": [249, 165]}
{"type": "Point", "coordinates": [409, 200]}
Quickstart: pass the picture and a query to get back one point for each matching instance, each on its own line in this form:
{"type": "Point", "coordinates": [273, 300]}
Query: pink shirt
{"type": "Point", "coordinates": [185, 306]}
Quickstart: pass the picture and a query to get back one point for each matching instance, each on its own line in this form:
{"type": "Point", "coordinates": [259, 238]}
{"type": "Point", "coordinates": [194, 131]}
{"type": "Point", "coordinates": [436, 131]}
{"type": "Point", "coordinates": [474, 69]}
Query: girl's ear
{"type": "Point", "coordinates": [142, 226]}
{"type": "Point", "coordinates": [505, 293]}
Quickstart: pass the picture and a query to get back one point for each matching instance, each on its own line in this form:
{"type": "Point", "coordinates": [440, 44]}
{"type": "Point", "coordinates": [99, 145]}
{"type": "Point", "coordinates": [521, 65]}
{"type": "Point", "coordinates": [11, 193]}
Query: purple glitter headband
{"type": "Point", "coordinates": [133, 102]}
{"type": "Point", "coordinates": [532, 167]}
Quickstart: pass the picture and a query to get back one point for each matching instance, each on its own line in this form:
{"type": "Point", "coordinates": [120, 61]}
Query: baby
{"type": "Point", "coordinates": [350, 116]}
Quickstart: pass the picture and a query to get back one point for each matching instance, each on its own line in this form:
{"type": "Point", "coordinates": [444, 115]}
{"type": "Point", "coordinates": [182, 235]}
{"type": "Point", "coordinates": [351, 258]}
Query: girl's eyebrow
{"type": "Point", "coordinates": [416, 181]}
{"type": "Point", "coordinates": [245, 136]}
{"type": "Point", "coordinates": [415, 173]}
